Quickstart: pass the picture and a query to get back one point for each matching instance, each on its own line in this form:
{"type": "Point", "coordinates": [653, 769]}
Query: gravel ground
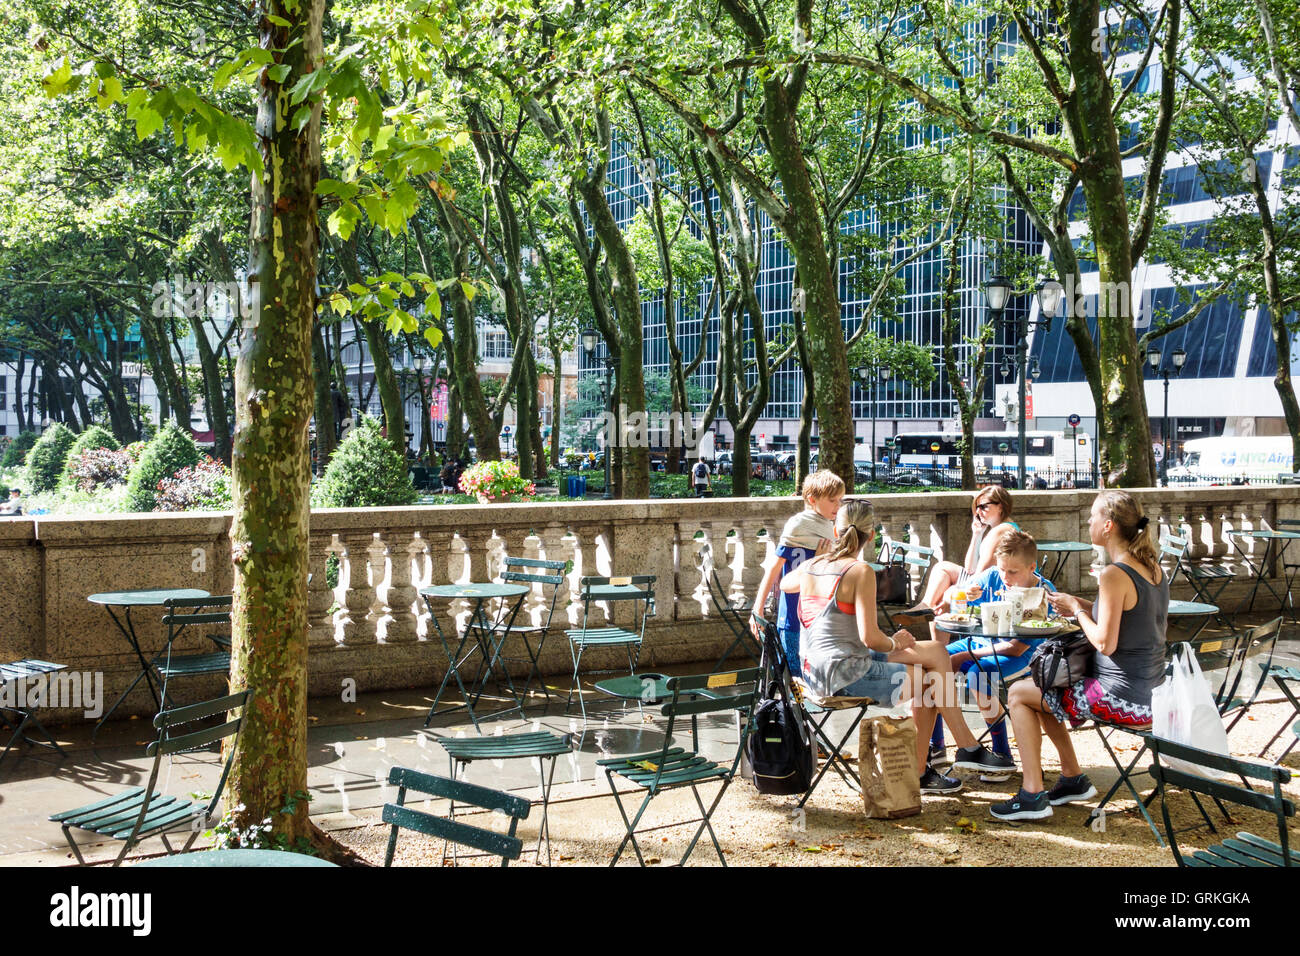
{"type": "Point", "coordinates": [757, 830]}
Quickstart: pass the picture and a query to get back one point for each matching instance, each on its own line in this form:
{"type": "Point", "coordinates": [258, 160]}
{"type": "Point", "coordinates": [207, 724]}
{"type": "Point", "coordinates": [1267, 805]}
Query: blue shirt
{"type": "Point", "coordinates": [990, 583]}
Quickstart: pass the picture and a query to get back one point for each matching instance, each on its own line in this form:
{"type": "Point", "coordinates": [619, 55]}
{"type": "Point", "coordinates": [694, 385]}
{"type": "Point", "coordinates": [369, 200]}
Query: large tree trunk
{"type": "Point", "coordinates": [171, 395]}
{"type": "Point", "coordinates": [390, 391]}
{"type": "Point", "coordinates": [271, 466]}
{"type": "Point", "coordinates": [1127, 458]}
{"type": "Point", "coordinates": [19, 406]}
{"type": "Point", "coordinates": [634, 458]}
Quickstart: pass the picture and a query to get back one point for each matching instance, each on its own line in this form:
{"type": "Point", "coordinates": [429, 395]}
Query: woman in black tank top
{"type": "Point", "coordinates": [1126, 626]}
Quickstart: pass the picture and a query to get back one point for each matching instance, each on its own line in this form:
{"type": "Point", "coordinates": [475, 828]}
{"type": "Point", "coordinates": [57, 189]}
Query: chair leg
{"type": "Point", "coordinates": [1124, 780]}
{"type": "Point", "coordinates": [545, 832]}
{"type": "Point", "coordinates": [706, 824]}
{"type": "Point", "coordinates": [630, 824]}
{"type": "Point", "coordinates": [76, 850]}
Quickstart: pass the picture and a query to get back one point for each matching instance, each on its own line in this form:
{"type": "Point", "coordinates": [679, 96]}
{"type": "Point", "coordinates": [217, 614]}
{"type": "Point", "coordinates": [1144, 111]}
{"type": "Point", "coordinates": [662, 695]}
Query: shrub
{"type": "Point", "coordinates": [201, 487]}
{"type": "Point", "coordinates": [365, 472]}
{"type": "Point", "coordinates": [97, 468]}
{"type": "Point", "coordinates": [497, 480]}
{"type": "Point", "coordinates": [171, 450]}
{"type": "Point", "coordinates": [92, 438]}
{"type": "Point", "coordinates": [16, 451]}
{"type": "Point", "coordinates": [46, 459]}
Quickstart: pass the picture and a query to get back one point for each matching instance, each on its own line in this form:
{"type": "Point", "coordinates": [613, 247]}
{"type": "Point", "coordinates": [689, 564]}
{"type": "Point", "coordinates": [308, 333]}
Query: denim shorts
{"type": "Point", "coordinates": [882, 683]}
{"type": "Point", "coordinates": [979, 671]}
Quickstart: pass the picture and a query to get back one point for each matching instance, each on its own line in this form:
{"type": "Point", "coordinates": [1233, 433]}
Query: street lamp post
{"type": "Point", "coordinates": [998, 291]}
{"type": "Point", "coordinates": [873, 375]}
{"type": "Point", "coordinates": [1178, 358]}
{"type": "Point", "coordinates": [589, 339]}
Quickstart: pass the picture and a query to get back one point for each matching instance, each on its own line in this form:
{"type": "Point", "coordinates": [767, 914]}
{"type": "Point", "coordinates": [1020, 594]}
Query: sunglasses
{"type": "Point", "coordinates": [985, 506]}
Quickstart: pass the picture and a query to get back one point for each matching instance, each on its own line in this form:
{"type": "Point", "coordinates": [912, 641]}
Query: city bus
{"type": "Point", "coordinates": [1050, 451]}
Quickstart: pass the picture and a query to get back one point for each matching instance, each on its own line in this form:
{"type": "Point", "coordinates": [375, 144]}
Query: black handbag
{"type": "Point", "coordinates": [779, 747]}
{"type": "Point", "coordinates": [1061, 660]}
{"type": "Point", "coordinates": [891, 584]}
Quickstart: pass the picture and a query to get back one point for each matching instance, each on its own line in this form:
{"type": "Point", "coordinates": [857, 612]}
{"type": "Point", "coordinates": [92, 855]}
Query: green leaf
{"type": "Point", "coordinates": [57, 82]}
{"type": "Point", "coordinates": [280, 72]}
{"type": "Point", "coordinates": [433, 335]}
{"type": "Point", "coordinates": [278, 21]}
{"type": "Point", "coordinates": [110, 92]}
{"type": "Point", "coordinates": [147, 122]}
{"type": "Point", "coordinates": [343, 221]}
{"type": "Point", "coordinates": [469, 291]}
{"type": "Point", "coordinates": [221, 78]}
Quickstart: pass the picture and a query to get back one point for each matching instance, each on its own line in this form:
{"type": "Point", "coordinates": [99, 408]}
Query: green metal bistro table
{"type": "Point", "coordinates": [485, 638]}
{"type": "Point", "coordinates": [1191, 609]}
{"type": "Point", "coordinates": [1275, 545]}
{"type": "Point", "coordinates": [24, 713]}
{"type": "Point", "coordinates": [237, 858]}
{"type": "Point", "coordinates": [149, 597]}
{"type": "Point", "coordinates": [1060, 552]}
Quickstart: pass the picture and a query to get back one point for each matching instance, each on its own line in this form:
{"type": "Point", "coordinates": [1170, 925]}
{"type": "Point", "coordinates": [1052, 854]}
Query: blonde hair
{"type": "Point", "coordinates": [1017, 544]}
{"type": "Point", "coordinates": [822, 483]}
{"type": "Point", "coordinates": [993, 494]}
{"type": "Point", "coordinates": [1133, 526]}
{"type": "Point", "coordinates": [859, 521]}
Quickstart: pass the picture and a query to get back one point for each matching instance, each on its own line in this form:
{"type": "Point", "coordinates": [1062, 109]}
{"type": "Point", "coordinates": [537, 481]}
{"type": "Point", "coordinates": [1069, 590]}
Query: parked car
{"type": "Point", "coordinates": [913, 478]}
{"type": "Point", "coordinates": [722, 463]}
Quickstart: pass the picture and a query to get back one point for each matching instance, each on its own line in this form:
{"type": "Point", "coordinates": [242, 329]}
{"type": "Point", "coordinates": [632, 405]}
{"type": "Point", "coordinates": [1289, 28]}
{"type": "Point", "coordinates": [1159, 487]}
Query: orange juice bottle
{"type": "Point", "coordinates": [959, 605]}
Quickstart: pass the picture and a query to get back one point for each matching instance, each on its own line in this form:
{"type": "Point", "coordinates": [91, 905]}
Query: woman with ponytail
{"type": "Point", "coordinates": [844, 653]}
{"type": "Point", "coordinates": [1126, 626]}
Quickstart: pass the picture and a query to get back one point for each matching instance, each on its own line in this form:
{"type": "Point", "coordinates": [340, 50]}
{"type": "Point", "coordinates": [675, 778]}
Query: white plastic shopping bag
{"type": "Point", "coordinates": [1184, 712]}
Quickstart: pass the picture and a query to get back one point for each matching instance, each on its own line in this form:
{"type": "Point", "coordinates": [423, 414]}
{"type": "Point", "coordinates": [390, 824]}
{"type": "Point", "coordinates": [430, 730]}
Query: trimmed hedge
{"type": "Point", "coordinates": [365, 472]}
{"type": "Point", "coordinates": [46, 459]}
{"type": "Point", "coordinates": [16, 451]}
{"type": "Point", "coordinates": [167, 453]}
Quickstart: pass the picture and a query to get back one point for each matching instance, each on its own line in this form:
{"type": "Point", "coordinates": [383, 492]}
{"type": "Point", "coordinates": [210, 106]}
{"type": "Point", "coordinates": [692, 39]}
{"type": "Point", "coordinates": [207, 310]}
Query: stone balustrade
{"type": "Point", "coordinates": [374, 628]}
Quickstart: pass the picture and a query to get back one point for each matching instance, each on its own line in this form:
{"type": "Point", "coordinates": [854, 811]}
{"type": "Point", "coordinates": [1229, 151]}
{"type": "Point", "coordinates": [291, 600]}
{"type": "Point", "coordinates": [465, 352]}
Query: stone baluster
{"type": "Point", "coordinates": [556, 545]}
{"type": "Point", "coordinates": [320, 596]}
{"type": "Point", "coordinates": [358, 594]}
{"type": "Point", "coordinates": [513, 542]}
{"type": "Point", "coordinates": [403, 614]}
{"type": "Point", "coordinates": [693, 601]}
{"type": "Point", "coordinates": [477, 543]}
{"type": "Point", "coordinates": [378, 617]}
{"type": "Point", "coordinates": [751, 556]}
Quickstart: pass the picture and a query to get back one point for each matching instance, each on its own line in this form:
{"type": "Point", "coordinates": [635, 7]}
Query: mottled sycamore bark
{"type": "Point", "coordinates": [274, 390]}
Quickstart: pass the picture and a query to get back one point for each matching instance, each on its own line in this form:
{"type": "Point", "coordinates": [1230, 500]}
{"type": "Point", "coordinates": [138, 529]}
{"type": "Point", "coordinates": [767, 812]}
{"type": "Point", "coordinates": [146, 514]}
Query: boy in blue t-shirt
{"type": "Point", "coordinates": [984, 659]}
{"type": "Point", "coordinates": [805, 535]}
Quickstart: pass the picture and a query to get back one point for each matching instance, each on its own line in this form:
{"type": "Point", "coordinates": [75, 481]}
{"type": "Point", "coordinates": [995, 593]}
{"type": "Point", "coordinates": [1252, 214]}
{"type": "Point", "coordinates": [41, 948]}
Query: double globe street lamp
{"type": "Point", "coordinates": [1177, 358]}
{"type": "Point", "coordinates": [873, 375]}
{"type": "Point", "coordinates": [1051, 296]}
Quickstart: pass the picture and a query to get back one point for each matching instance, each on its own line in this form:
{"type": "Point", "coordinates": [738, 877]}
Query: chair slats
{"type": "Point", "coordinates": [459, 791]}
{"type": "Point", "coordinates": [476, 838]}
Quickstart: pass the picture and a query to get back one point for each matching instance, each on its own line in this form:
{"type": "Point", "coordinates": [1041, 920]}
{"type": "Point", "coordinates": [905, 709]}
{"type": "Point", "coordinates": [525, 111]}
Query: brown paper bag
{"type": "Point", "coordinates": [891, 787]}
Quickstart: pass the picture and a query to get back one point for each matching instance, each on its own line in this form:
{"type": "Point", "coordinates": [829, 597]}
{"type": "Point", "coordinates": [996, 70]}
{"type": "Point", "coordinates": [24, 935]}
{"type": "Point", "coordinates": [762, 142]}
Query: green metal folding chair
{"type": "Point", "coordinates": [1208, 581]}
{"type": "Point", "coordinates": [505, 845]}
{"type": "Point", "coordinates": [909, 556]}
{"type": "Point", "coordinates": [672, 767]}
{"type": "Point", "coordinates": [1287, 680]}
{"type": "Point", "coordinates": [638, 591]}
{"type": "Point", "coordinates": [1247, 849]}
{"type": "Point", "coordinates": [183, 613]}
{"type": "Point", "coordinates": [139, 813]}
{"type": "Point", "coordinates": [733, 614]}
{"type": "Point", "coordinates": [1240, 689]}
{"type": "Point", "coordinates": [524, 571]}
{"type": "Point", "coordinates": [539, 745]}
{"type": "Point", "coordinates": [22, 713]}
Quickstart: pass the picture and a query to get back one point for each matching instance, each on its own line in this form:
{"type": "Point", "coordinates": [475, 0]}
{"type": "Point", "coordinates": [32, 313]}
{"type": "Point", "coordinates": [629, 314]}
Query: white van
{"type": "Point", "coordinates": [1225, 459]}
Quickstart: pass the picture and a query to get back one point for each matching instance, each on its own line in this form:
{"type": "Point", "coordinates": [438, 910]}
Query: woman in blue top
{"type": "Point", "coordinates": [990, 523]}
{"type": "Point", "coordinates": [1126, 627]}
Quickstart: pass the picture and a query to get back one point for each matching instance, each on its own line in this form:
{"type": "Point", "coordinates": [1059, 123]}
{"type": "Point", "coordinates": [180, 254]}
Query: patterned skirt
{"type": "Point", "coordinates": [1087, 700]}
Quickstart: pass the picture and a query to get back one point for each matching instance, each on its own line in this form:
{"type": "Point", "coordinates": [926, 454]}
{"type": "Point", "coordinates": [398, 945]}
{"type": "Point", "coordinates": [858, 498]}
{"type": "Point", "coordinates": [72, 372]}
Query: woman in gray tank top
{"type": "Point", "coordinates": [1126, 626]}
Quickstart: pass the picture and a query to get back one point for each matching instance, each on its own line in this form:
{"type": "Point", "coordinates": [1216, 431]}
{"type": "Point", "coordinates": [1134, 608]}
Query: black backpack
{"type": "Point", "coordinates": [779, 748]}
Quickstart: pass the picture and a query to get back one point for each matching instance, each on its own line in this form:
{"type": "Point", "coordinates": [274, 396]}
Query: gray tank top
{"type": "Point", "coordinates": [833, 654]}
{"type": "Point", "coordinates": [1138, 663]}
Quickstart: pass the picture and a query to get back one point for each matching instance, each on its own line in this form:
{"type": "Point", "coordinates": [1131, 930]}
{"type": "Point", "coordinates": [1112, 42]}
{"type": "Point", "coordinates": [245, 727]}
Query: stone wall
{"type": "Point", "coordinates": [375, 629]}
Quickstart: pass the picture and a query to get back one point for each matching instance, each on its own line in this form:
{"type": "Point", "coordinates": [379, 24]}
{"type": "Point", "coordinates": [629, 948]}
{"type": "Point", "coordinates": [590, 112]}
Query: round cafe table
{"type": "Point", "coordinates": [148, 597]}
{"type": "Point", "coordinates": [485, 637]}
{"type": "Point", "coordinates": [1059, 552]}
{"type": "Point", "coordinates": [1191, 610]}
{"type": "Point", "coordinates": [236, 858]}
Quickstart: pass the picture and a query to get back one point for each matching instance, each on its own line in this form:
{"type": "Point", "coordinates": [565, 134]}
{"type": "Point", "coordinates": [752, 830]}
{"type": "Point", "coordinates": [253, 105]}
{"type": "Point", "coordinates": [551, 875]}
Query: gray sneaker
{"type": "Point", "coordinates": [1071, 790]}
{"type": "Point", "coordinates": [1024, 806]}
{"type": "Point", "coordinates": [932, 781]}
